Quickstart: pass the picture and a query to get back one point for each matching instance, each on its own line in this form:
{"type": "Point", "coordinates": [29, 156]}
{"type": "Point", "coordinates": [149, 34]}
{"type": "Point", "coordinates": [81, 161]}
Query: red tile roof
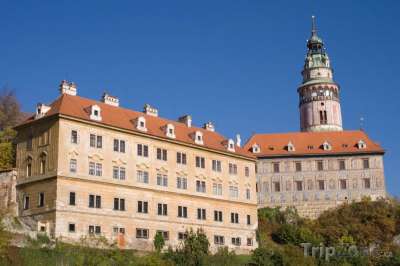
{"type": "Point", "coordinates": [311, 143]}
{"type": "Point", "coordinates": [76, 106]}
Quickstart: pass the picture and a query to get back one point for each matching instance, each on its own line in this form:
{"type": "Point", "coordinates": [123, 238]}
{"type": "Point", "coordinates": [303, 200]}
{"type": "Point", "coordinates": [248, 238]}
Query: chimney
{"type": "Point", "coordinates": [111, 100]}
{"type": "Point", "coordinates": [209, 126]}
{"type": "Point", "coordinates": [186, 119]}
{"type": "Point", "coordinates": [148, 110]}
{"type": "Point", "coordinates": [238, 140]}
{"type": "Point", "coordinates": [68, 88]}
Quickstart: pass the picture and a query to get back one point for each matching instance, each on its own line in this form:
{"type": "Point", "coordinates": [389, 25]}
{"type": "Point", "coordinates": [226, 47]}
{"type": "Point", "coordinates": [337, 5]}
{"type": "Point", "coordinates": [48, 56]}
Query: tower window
{"type": "Point", "coordinates": [323, 117]}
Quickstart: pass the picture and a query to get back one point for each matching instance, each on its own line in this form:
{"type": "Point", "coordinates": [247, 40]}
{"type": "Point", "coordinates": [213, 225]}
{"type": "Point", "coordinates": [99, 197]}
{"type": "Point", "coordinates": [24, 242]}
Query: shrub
{"type": "Point", "coordinates": [158, 241]}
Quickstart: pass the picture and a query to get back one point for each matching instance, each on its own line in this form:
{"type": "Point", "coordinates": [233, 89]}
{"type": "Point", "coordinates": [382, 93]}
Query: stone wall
{"type": "Point", "coordinates": [312, 190]}
{"type": "Point", "coordinates": [8, 179]}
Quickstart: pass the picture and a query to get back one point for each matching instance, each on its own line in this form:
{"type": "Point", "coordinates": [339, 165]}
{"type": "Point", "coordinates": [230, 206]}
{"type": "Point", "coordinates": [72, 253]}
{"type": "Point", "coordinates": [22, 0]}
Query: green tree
{"type": "Point", "coordinates": [192, 252]}
{"type": "Point", "coordinates": [158, 241]}
{"type": "Point", "coordinates": [7, 148]}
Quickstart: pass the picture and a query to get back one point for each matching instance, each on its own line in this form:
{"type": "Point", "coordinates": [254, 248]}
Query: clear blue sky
{"type": "Point", "coordinates": [236, 63]}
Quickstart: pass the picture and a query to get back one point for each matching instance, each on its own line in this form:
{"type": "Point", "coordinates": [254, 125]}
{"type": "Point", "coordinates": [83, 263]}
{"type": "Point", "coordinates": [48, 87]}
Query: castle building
{"type": "Point", "coordinates": [89, 167]}
{"type": "Point", "coordinates": [322, 166]}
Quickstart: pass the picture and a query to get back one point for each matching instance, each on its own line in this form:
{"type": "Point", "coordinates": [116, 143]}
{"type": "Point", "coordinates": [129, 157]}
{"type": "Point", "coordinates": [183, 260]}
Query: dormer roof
{"type": "Point", "coordinates": [122, 118]}
{"type": "Point", "coordinates": [322, 143]}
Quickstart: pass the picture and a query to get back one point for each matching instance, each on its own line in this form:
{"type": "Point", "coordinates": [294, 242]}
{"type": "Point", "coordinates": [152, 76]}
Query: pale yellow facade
{"type": "Point", "coordinates": [58, 181]}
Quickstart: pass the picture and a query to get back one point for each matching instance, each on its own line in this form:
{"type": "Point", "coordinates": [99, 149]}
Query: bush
{"type": "Point", "coordinates": [158, 241]}
{"type": "Point", "coordinates": [192, 252]}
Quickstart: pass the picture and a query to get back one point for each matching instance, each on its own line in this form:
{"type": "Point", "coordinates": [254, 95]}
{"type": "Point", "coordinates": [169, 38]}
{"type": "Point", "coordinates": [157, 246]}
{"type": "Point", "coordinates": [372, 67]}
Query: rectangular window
{"type": "Point", "coordinates": [162, 209]}
{"type": "Point", "coordinates": [232, 169]}
{"type": "Point", "coordinates": [216, 166]}
{"type": "Point", "coordinates": [219, 240]}
{"type": "Point", "coordinates": [181, 182]}
{"type": "Point", "coordinates": [367, 183]}
{"type": "Point", "coordinates": [26, 202]}
{"type": "Point", "coordinates": [218, 216]}
{"type": "Point", "coordinates": [165, 234]}
{"type": "Point", "coordinates": [233, 192]}
{"type": "Point", "coordinates": [248, 220]}
{"type": "Point", "coordinates": [321, 184]}
{"type": "Point", "coordinates": [234, 218]}
{"type": "Point", "coordinates": [119, 145]}
{"type": "Point", "coordinates": [143, 177]}
{"type": "Point", "coordinates": [118, 230]}
{"type": "Point", "coordinates": [72, 165]}
{"type": "Point", "coordinates": [71, 228]}
{"type": "Point", "coordinates": [143, 206]}
{"type": "Point", "coordinates": [92, 167]}
{"type": "Point", "coordinates": [72, 198]}
{"type": "Point", "coordinates": [182, 211]}
{"type": "Point", "coordinates": [343, 184]}
{"type": "Point", "coordinates": [247, 193]}
{"type": "Point", "coordinates": [119, 204]}
{"type": "Point", "coordinates": [162, 154]}
{"type": "Point", "coordinates": [217, 189]}
{"type": "Point", "coordinates": [342, 165]}
{"type": "Point", "coordinates": [41, 199]}
{"type": "Point", "coordinates": [201, 214]}
{"type": "Point", "coordinates": [246, 171]}
{"type": "Point", "coordinates": [162, 180]}
{"type": "Point", "coordinates": [201, 186]}
{"type": "Point", "coordinates": [74, 136]}
{"type": "Point", "coordinates": [236, 241]}
{"type": "Point", "coordinates": [299, 185]}
{"type": "Point", "coordinates": [366, 163]}
{"type": "Point", "coordinates": [143, 150]}
{"type": "Point", "coordinates": [320, 165]}
{"type": "Point", "coordinates": [99, 169]}
{"type": "Point", "coordinates": [249, 241]}
{"type": "Point", "coordinates": [181, 158]}
{"type": "Point", "coordinates": [182, 236]}
{"type": "Point", "coordinates": [277, 186]}
{"type": "Point", "coordinates": [119, 173]}
{"type": "Point", "coordinates": [142, 233]}
{"type": "Point", "coordinates": [200, 162]}
{"type": "Point", "coordinates": [94, 229]}
{"type": "Point", "coordinates": [95, 201]}
{"type": "Point", "coordinates": [298, 166]}
{"type": "Point", "coordinates": [276, 167]}
{"type": "Point", "coordinates": [96, 141]}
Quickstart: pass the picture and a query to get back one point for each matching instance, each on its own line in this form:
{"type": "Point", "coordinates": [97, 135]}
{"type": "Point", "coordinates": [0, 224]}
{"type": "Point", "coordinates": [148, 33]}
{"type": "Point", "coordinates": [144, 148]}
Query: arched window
{"type": "Point", "coordinates": [42, 163]}
{"type": "Point", "coordinates": [29, 166]}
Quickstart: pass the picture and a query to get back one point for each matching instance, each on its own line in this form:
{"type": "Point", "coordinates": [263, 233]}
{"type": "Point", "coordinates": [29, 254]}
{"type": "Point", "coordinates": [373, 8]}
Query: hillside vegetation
{"type": "Point", "coordinates": [363, 233]}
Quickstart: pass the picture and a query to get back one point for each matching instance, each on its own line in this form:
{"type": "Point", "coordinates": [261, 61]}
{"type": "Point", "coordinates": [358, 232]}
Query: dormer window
{"type": "Point", "coordinates": [361, 145]}
{"type": "Point", "coordinates": [170, 131]}
{"type": "Point", "coordinates": [198, 138]}
{"type": "Point", "coordinates": [41, 110]}
{"type": "Point", "coordinates": [290, 147]}
{"type": "Point", "coordinates": [95, 113]}
{"type": "Point", "coordinates": [255, 148]}
{"type": "Point", "coordinates": [326, 146]}
{"type": "Point", "coordinates": [231, 145]}
{"type": "Point", "coordinates": [141, 124]}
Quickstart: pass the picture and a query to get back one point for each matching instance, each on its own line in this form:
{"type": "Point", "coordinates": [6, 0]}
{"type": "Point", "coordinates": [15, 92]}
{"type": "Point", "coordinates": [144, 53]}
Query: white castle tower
{"type": "Point", "coordinates": [318, 94]}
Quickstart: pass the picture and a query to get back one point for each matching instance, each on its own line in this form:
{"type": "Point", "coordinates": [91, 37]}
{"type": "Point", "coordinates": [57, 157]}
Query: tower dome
{"type": "Point", "coordinates": [319, 102]}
